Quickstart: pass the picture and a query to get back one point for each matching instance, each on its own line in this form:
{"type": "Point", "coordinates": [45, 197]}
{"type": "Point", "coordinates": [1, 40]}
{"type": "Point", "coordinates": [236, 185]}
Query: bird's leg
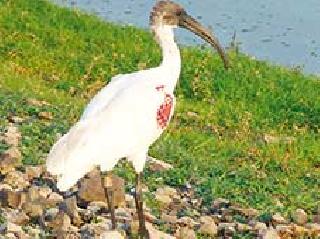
{"type": "Point", "coordinates": [108, 189]}
{"type": "Point", "coordinates": [143, 232]}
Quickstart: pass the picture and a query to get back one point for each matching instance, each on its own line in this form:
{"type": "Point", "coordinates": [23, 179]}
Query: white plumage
{"type": "Point", "coordinates": [129, 114]}
{"type": "Point", "coordinates": [120, 121]}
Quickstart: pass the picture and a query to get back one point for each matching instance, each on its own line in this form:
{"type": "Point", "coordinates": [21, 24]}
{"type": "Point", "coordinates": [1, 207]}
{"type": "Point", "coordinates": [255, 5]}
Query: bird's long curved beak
{"type": "Point", "coordinates": [194, 26]}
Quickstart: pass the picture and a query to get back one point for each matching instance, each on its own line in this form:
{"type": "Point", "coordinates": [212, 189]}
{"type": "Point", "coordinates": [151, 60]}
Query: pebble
{"type": "Point", "coordinates": [156, 234]}
{"type": "Point", "coordinates": [171, 219]}
{"type": "Point", "coordinates": [165, 195]}
{"type": "Point", "coordinates": [9, 160]}
{"type": "Point", "coordinates": [33, 172]}
{"type": "Point", "coordinates": [117, 186]}
{"type": "Point", "coordinates": [16, 216]}
{"type": "Point", "coordinates": [300, 217]}
{"type": "Point", "coordinates": [72, 218]}
{"type": "Point", "coordinates": [45, 115]}
{"type": "Point", "coordinates": [220, 203]}
{"type": "Point", "coordinates": [185, 232]}
{"type": "Point", "coordinates": [208, 226]}
{"type": "Point", "coordinates": [259, 226]}
{"type": "Point", "coordinates": [16, 179]}
{"type": "Point", "coordinates": [12, 136]}
{"type": "Point", "coordinates": [69, 206]}
{"type": "Point", "coordinates": [156, 165]}
{"type": "Point", "coordinates": [33, 209]}
{"type": "Point", "coordinates": [91, 189]}
{"type": "Point", "coordinates": [278, 219]}
{"type": "Point", "coordinates": [269, 234]}
{"type": "Point", "coordinates": [54, 199]}
{"type": "Point", "coordinates": [37, 103]}
{"type": "Point", "coordinates": [11, 198]}
{"type": "Point", "coordinates": [112, 235]}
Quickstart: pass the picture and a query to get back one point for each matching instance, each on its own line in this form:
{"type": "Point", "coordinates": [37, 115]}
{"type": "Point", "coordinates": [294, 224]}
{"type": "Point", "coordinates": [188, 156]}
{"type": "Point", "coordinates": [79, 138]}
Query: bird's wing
{"type": "Point", "coordinates": [125, 126]}
{"type": "Point", "coordinates": [106, 94]}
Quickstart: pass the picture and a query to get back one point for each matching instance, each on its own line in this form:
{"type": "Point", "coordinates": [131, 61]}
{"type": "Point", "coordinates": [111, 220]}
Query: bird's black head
{"type": "Point", "coordinates": [169, 13]}
{"type": "Point", "coordinates": [166, 13]}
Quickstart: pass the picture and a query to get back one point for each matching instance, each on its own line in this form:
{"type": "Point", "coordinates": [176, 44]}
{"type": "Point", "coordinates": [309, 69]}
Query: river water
{"type": "Point", "coordinates": [284, 32]}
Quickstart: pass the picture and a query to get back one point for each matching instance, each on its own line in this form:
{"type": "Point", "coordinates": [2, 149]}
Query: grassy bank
{"type": "Point", "coordinates": [250, 134]}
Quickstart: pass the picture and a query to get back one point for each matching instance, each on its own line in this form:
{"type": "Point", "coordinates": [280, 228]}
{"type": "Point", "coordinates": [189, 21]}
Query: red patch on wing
{"type": "Point", "coordinates": [163, 113]}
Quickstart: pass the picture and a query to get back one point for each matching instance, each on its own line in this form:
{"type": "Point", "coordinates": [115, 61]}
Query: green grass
{"type": "Point", "coordinates": [65, 56]}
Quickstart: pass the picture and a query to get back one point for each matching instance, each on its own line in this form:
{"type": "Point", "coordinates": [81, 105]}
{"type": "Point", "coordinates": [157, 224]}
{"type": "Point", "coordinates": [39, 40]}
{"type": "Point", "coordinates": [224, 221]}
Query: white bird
{"type": "Point", "coordinates": [128, 114]}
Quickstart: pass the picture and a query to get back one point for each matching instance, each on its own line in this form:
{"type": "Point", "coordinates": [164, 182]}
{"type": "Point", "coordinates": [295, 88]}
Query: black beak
{"type": "Point", "coordinates": [194, 26]}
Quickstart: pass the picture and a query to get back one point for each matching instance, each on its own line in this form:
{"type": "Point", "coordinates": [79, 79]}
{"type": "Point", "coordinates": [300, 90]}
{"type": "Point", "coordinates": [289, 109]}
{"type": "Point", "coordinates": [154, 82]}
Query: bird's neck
{"type": "Point", "coordinates": [171, 63]}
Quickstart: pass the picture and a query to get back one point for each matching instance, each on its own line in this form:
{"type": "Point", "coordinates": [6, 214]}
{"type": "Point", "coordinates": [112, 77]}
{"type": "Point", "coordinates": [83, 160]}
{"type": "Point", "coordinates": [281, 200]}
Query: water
{"type": "Point", "coordinates": [285, 32]}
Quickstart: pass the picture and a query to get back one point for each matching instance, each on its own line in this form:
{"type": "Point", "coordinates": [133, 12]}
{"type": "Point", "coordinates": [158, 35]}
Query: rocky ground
{"type": "Point", "coordinates": [32, 207]}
